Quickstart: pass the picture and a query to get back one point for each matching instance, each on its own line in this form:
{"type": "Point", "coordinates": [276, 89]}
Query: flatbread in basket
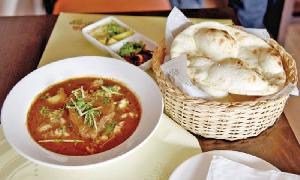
{"type": "Point", "coordinates": [224, 119]}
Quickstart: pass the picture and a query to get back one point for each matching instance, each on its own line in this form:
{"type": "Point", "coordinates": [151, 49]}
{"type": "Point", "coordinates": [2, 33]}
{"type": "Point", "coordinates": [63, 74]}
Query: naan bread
{"type": "Point", "coordinates": [271, 66]}
{"type": "Point", "coordinates": [213, 91]}
{"type": "Point", "coordinates": [184, 42]}
{"type": "Point", "coordinates": [223, 60]}
{"type": "Point", "coordinates": [215, 44]}
{"type": "Point", "coordinates": [249, 55]}
{"type": "Point", "coordinates": [197, 69]}
{"type": "Point", "coordinates": [233, 76]}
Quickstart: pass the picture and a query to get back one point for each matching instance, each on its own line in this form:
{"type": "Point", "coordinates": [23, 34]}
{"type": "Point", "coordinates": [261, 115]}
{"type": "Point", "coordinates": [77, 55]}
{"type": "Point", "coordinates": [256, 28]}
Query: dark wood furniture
{"type": "Point", "coordinates": [23, 39]}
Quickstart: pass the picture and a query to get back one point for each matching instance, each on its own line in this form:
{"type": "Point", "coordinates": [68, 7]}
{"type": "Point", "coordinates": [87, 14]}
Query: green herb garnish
{"type": "Point", "coordinates": [78, 93]}
{"type": "Point", "coordinates": [110, 127]}
{"type": "Point", "coordinates": [106, 100]}
{"type": "Point", "coordinates": [62, 131]}
{"type": "Point", "coordinates": [84, 108]}
{"type": "Point", "coordinates": [53, 115]}
{"type": "Point", "coordinates": [90, 117]}
{"type": "Point", "coordinates": [113, 29]}
{"type": "Point", "coordinates": [131, 48]}
{"type": "Point", "coordinates": [109, 91]}
{"type": "Point", "coordinates": [44, 111]}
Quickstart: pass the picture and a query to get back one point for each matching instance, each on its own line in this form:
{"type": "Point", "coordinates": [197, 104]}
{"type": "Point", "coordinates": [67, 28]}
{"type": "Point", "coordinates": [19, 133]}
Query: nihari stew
{"type": "Point", "coordinates": [83, 116]}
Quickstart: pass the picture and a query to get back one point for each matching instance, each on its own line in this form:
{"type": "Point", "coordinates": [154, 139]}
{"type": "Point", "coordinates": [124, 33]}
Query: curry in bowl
{"type": "Point", "coordinates": [83, 116]}
{"type": "Point", "coordinates": [81, 112]}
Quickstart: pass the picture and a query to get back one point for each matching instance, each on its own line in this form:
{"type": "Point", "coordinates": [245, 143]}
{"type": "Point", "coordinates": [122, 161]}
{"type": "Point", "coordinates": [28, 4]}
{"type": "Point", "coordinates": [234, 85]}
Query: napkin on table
{"type": "Point", "coordinates": [225, 169]}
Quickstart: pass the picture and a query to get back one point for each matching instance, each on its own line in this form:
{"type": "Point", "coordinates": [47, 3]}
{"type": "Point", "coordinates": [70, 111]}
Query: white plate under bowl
{"type": "Point", "coordinates": [19, 99]}
{"type": "Point", "coordinates": [196, 167]}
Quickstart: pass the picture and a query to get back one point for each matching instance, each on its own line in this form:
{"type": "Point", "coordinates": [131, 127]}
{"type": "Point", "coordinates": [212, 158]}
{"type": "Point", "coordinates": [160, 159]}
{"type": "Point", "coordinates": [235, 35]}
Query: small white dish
{"type": "Point", "coordinates": [85, 31]}
{"type": "Point", "coordinates": [114, 48]}
{"type": "Point", "coordinates": [150, 45]}
{"type": "Point", "coordinates": [197, 166]}
{"type": "Point", "coordinates": [19, 99]}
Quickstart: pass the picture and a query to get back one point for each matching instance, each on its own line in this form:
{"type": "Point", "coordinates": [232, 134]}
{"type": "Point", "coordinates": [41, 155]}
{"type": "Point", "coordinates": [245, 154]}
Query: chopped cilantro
{"type": "Point", "coordinates": [114, 29]}
{"type": "Point", "coordinates": [53, 115]}
{"type": "Point", "coordinates": [84, 108]}
{"type": "Point", "coordinates": [106, 100]}
{"type": "Point", "coordinates": [109, 127]}
{"type": "Point", "coordinates": [108, 91]}
{"type": "Point", "coordinates": [130, 48]}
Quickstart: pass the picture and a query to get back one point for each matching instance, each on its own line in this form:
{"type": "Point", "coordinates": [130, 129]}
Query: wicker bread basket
{"type": "Point", "coordinates": [229, 120]}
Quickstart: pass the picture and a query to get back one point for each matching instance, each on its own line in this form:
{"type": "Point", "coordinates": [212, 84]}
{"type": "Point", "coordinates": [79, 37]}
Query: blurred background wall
{"type": "Point", "coordinates": [21, 7]}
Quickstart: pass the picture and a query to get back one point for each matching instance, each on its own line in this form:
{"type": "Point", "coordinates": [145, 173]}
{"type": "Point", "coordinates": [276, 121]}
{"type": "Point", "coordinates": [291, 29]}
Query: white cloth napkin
{"type": "Point", "coordinates": [225, 169]}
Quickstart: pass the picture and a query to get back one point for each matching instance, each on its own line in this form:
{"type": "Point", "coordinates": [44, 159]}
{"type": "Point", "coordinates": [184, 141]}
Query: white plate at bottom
{"type": "Point", "coordinates": [197, 166]}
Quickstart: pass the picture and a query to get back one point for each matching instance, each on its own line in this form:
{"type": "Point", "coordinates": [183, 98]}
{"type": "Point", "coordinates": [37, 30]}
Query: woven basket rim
{"type": "Point", "coordinates": [157, 61]}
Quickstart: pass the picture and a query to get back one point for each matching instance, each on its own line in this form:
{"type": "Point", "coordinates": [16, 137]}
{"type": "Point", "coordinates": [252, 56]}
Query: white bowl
{"type": "Point", "coordinates": [19, 99]}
